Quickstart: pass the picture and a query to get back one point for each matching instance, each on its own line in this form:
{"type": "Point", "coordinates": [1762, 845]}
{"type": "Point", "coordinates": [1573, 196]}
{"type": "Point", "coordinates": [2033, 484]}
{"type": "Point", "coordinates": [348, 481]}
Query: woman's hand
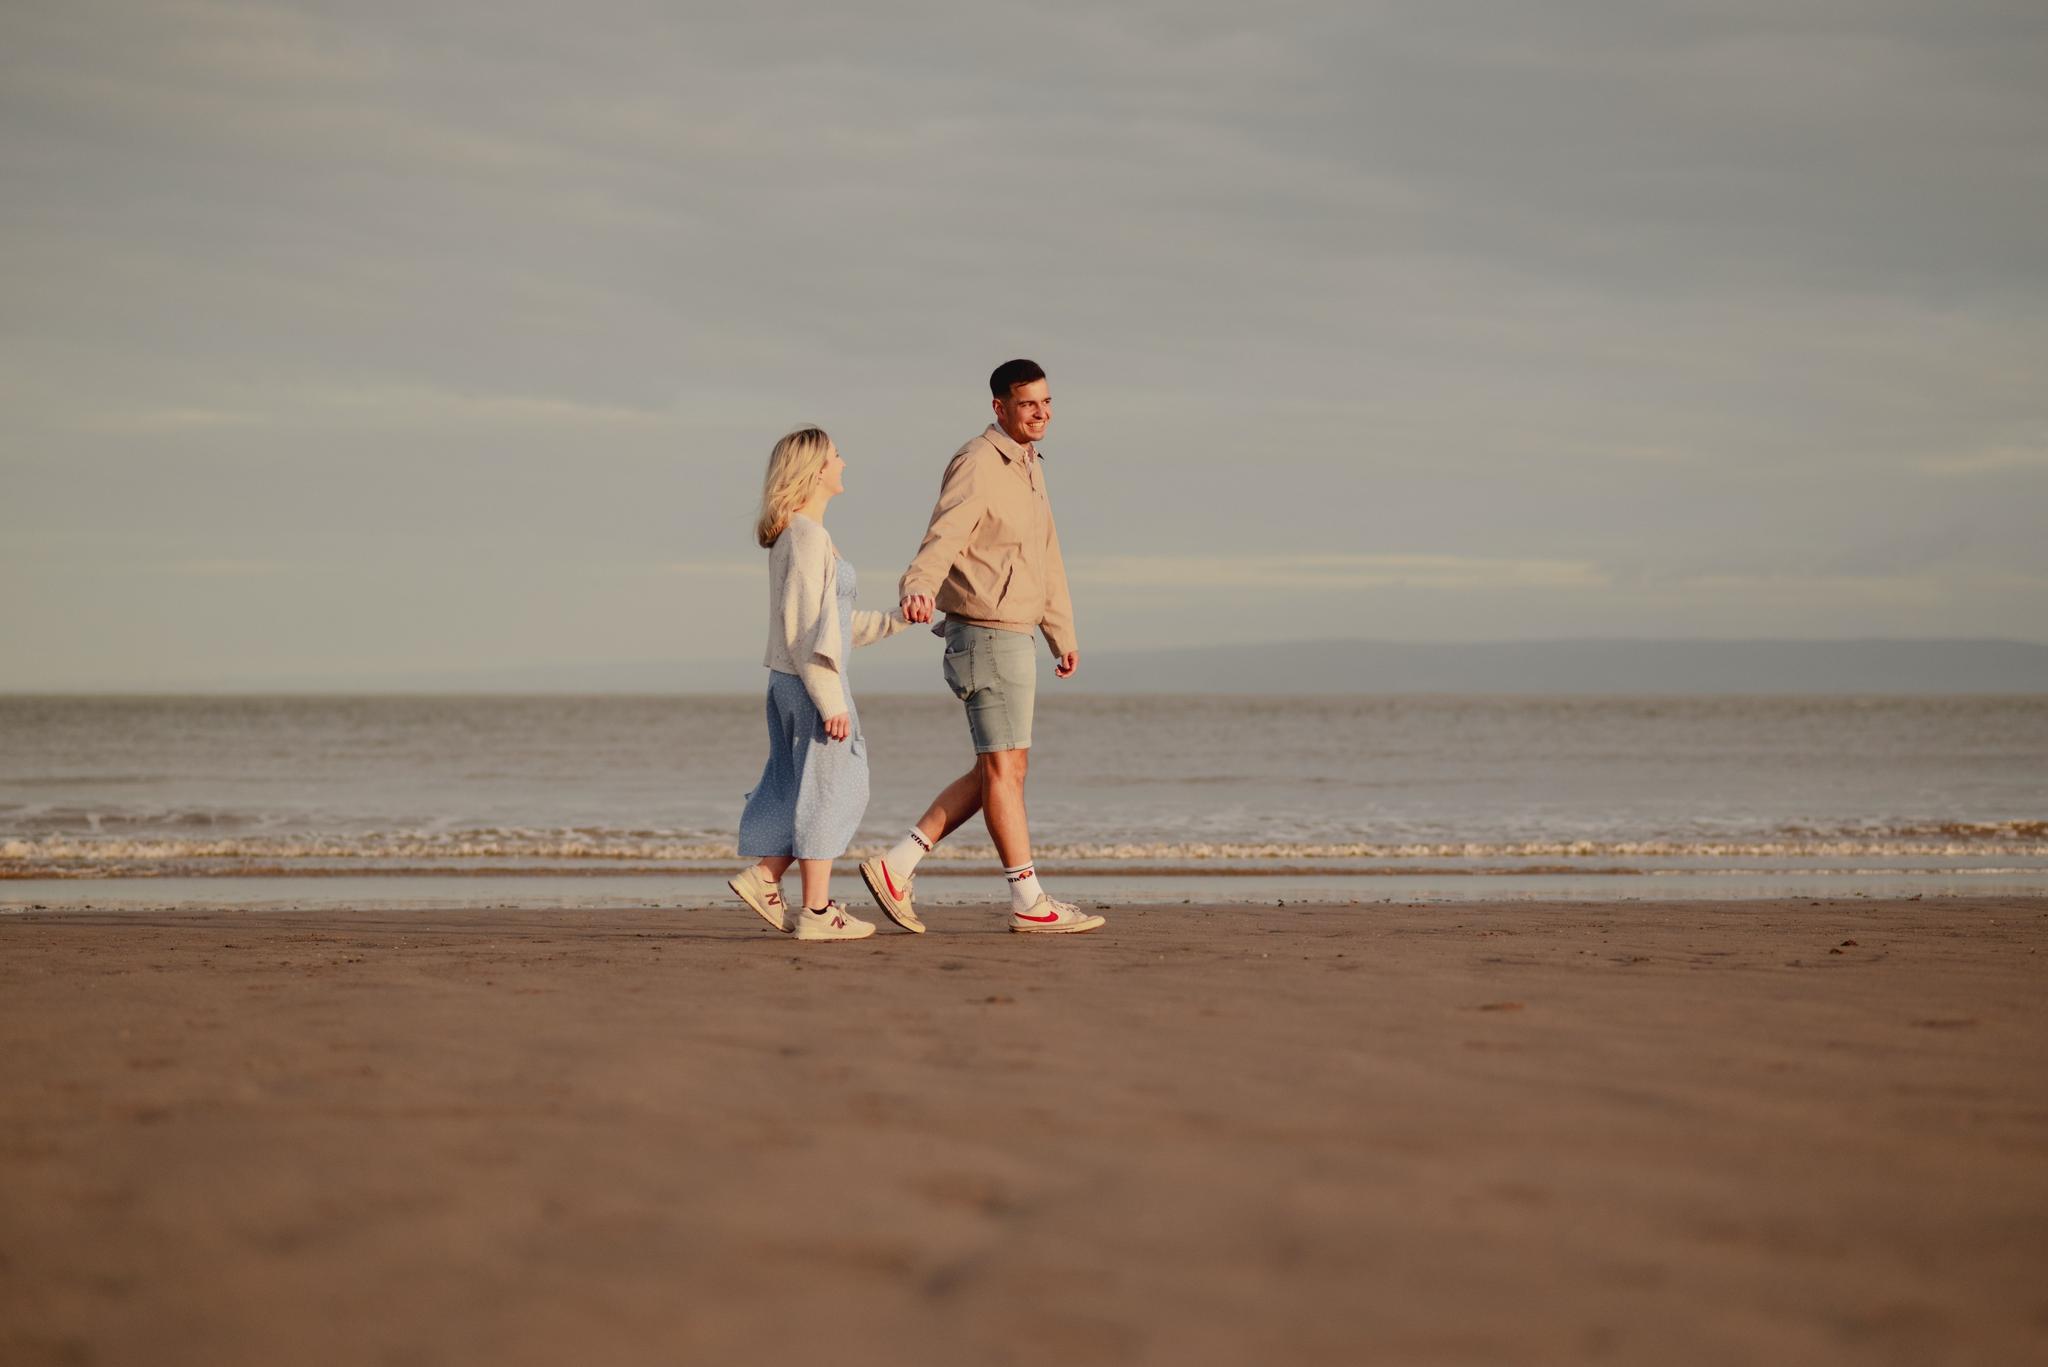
{"type": "Point", "coordinates": [838, 728]}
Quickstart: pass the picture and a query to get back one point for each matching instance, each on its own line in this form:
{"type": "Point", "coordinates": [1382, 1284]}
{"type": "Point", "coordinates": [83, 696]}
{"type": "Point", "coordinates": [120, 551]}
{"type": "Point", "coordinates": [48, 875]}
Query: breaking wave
{"type": "Point", "coordinates": [74, 855]}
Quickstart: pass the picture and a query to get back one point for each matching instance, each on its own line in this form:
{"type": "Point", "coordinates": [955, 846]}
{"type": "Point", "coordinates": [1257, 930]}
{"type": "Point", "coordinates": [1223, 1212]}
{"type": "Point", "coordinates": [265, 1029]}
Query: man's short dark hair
{"type": "Point", "coordinates": [1010, 374]}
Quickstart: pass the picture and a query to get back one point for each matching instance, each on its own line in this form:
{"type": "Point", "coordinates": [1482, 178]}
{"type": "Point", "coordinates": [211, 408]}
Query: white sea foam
{"type": "Point", "coordinates": [24, 856]}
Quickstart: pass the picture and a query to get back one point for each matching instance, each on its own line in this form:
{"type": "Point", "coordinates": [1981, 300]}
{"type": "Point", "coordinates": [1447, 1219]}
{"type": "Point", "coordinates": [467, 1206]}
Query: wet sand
{"type": "Point", "coordinates": [1691, 1133]}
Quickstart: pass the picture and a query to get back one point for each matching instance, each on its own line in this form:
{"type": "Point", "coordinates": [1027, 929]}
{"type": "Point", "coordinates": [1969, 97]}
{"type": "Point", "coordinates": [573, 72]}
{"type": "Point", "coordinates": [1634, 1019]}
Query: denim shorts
{"type": "Point", "coordinates": [995, 672]}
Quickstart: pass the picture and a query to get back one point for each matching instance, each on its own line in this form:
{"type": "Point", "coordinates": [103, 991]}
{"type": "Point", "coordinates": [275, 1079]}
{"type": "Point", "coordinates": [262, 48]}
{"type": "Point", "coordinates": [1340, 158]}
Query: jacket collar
{"type": "Point", "coordinates": [1010, 450]}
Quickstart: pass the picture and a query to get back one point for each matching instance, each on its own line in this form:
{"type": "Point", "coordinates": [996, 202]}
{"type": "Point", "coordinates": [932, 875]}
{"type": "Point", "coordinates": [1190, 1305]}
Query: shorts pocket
{"type": "Point", "coordinates": [959, 670]}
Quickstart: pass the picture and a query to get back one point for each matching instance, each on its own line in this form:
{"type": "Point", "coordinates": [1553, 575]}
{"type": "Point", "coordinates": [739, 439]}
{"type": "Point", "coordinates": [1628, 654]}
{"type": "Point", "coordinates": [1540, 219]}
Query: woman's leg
{"type": "Point", "coordinates": [767, 822]}
{"type": "Point", "coordinates": [817, 881]}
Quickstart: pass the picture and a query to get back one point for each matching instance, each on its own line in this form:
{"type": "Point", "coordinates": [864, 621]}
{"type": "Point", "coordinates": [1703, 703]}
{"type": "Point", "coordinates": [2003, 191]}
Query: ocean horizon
{"type": "Point", "coordinates": [1593, 666]}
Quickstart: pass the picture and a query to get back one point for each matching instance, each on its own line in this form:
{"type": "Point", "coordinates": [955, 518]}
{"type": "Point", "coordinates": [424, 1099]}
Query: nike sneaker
{"type": "Point", "coordinates": [891, 895]}
{"type": "Point", "coordinates": [1047, 917]}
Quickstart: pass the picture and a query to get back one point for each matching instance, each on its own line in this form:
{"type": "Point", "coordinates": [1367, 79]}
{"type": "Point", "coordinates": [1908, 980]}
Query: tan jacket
{"type": "Point", "coordinates": [803, 614]}
{"type": "Point", "coordinates": [991, 555]}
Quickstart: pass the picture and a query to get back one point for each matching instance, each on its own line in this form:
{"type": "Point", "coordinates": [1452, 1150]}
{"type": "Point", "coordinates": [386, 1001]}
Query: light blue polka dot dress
{"type": "Point", "coordinates": [813, 790]}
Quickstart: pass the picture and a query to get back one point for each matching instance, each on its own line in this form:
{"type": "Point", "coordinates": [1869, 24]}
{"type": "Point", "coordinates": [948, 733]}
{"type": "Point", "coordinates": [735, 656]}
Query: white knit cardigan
{"type": "Point", "coordinates": [803, 614]}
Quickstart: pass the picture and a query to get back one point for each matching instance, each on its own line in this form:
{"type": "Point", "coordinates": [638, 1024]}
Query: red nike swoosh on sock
{"type": "Point", "coordinates": [1022, 917]}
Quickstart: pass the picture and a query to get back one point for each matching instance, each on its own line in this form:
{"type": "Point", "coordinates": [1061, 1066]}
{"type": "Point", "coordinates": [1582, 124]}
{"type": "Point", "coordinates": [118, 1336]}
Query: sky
{"type": "Point", "coordinates": [347, 340]}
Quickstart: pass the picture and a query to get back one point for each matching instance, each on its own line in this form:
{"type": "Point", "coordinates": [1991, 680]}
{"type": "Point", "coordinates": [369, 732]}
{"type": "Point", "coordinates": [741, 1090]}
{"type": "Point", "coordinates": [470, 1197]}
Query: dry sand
{"type": "Point", "coordinates": [1691, 1133]}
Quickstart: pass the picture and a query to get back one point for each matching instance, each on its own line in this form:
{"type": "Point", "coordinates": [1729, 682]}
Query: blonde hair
{"type": "Point", "coordinates": [793, 468]}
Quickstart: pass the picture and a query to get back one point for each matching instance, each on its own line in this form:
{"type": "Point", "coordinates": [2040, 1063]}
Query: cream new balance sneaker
{"type": "Point", "coordinates": [891, 896]}
{"type": "Point", "coordinates": [1047, 917]}
{"type": "Point", "coordinates": [833, 923]}
{"type": "Point", "coordinates": [763, 894]}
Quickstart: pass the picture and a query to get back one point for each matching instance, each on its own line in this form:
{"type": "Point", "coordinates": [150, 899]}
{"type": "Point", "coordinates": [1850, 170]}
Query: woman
{"type": "Point", "coordinates": [814, 788]}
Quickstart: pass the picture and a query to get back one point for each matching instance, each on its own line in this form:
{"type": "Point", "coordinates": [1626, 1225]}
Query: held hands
{"type": "Point", "coordinates": [1067, 664]}
{"type": "Point", "coordinates": [838, 727]}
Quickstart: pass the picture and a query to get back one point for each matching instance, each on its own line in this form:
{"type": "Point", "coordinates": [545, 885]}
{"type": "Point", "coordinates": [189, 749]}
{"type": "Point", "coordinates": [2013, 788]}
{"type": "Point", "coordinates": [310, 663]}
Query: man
{"type": "Point", "coordinates": [991, 563]}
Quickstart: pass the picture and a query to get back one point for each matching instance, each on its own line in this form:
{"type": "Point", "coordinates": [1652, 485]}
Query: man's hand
{"type": "Point", "coordinates": [838, 727]}
{"type": "Point", "coordinates": [917, 607]}
{"type": "Point", "coordinates": [1068, 663]}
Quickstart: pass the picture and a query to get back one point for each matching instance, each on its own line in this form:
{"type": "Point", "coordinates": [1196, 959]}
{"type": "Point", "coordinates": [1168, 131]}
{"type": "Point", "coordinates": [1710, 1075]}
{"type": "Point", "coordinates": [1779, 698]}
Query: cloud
{"type": "Point", "coordinates": [227, 568]}
{"type": "Point", "coordinates": [1991, 460]}
{"type": "Point", "coordinates": [1333, 573]}
{"type": "Point", "coordinates": [386, 405]}
{"type": "Point", "coordinates": [160, 420]}
{"type": "Point", "coordinates": [716, 569]}
{"type": "Point", "coordinates": [424, 406]}
{"type": "Point", "coordinates": [1782, 589]}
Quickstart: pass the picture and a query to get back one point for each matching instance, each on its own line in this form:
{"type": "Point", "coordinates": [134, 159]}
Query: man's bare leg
{"type": "Point", "coordinates": [1002, 803]}
{"type": "Point", "coordinates": [995, 788]}
{"type": "Point", "coordinates": [956, 803]}
{"type": "Point", "coordinates": [1032, 908]}
{"type": "Point", "coordinates": [888, 875]}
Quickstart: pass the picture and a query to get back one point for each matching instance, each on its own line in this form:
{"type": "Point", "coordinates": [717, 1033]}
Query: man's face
{"type": "Point", "coordinates": [1027, 412]}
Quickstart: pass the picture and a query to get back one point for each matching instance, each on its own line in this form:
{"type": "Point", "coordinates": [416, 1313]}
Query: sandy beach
{"type": "Point", "coordinates": [1807, 1131]}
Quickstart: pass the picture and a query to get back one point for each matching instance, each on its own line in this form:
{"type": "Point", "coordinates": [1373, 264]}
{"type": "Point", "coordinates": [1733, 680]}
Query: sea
{"type": "Point", "coordinates": [446, 801]}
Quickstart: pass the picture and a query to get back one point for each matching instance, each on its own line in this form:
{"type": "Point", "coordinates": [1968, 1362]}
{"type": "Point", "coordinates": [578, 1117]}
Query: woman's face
{"type": "Point", "coordinates": [832, 478]}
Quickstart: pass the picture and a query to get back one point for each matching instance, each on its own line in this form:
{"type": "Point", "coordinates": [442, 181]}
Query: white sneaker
{"type": "Point", "coordinates": [763, 894]}
{"type": "Point", "coordinates": [891, 896]}
{"type": "Point", "coordinates": [833, 923]}
{"type": "Point", "coordinates": [1048, 917]}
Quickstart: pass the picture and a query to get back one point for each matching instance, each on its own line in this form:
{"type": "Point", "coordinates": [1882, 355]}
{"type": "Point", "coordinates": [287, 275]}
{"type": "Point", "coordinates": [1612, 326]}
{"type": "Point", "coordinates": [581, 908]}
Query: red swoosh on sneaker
{"type": "Point", "coordinates": [1041, 919]}
{"type": "Point", "coordinates": [890, 879]}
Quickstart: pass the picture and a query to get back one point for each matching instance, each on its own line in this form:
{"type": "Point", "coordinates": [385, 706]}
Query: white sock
{"type": "Point", "coordinates": [902, 860]}
{"type": "Point", "coordinates": [1024, 888]}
